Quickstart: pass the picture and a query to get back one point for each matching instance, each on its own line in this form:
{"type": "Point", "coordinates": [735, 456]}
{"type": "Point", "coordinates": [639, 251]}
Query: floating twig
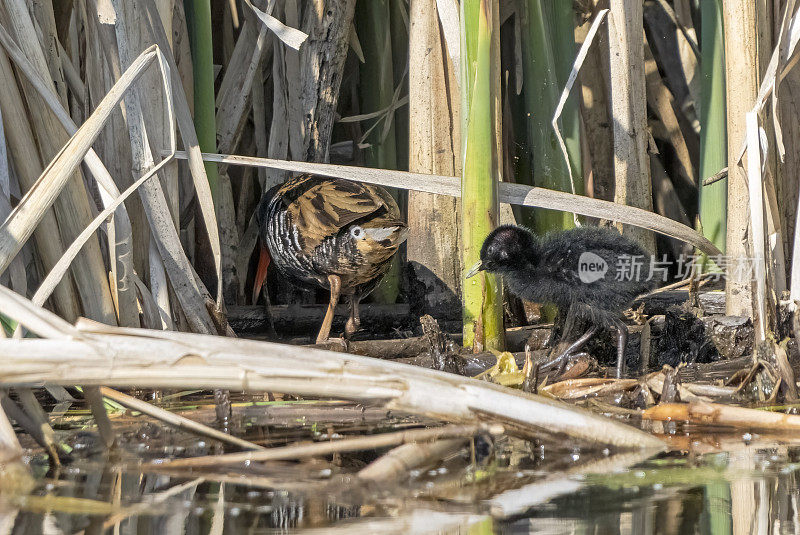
{"type": "Point", "coordinates": [717, 414]}
{"type": "Point", "coordinates": [299, 451]}
{"type": "Point", "coordinates": [402, 459]}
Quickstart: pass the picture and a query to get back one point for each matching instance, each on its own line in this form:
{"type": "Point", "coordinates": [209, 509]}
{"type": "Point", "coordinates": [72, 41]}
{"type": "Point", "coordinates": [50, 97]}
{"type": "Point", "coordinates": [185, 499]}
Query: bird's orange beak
{"type": "Point", "coordinates": [261, 271]}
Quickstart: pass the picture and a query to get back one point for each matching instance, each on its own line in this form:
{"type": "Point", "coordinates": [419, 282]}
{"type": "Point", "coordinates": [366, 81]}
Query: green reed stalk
{"type": "Point", "coordinates": [713, 141]}
{"type": "Point", "coordinates": [198, 19]}
{"type": "Point", "coordinates": [548, 54]}
{"type": "Point", "coordinates": [376, 88]}
{"type": "Point", "coordinates": [482, 294]}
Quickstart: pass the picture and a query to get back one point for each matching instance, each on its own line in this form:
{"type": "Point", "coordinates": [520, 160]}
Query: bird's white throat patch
{"type": "Point", "coordinates": [591, 267]}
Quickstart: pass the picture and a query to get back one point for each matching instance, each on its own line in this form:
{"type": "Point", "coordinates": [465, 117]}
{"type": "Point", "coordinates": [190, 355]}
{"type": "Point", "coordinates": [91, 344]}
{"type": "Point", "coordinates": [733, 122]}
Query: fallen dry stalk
{"type": "Point", "coordinates": [96, 354]}
{"type": "Point", "coordinates": [717, 414]}
{"type": "Point", "coordinates": [581, 388]}
{"type": "Point", "coordinates": [298, 451]}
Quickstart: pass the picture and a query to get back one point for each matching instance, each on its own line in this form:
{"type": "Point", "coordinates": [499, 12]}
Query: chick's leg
{"type": "Point", "coordinates": [574, 347]}
{"type": "Point", "coordinates": [622, 341]}
{"type": "Point", "coordinates": [336, 287]}
{"type": "Point", "coordinates": [354, 321]}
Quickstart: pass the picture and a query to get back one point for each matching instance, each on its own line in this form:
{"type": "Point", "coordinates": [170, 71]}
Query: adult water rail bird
{"type": "Point", "coordinates": [329, 233]}
{"type": "Point", "coordinates": [590, 273]}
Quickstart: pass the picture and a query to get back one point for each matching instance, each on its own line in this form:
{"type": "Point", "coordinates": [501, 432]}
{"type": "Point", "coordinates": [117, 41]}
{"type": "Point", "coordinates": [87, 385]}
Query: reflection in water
{"type": "Point", "coordinates": [720, 484]}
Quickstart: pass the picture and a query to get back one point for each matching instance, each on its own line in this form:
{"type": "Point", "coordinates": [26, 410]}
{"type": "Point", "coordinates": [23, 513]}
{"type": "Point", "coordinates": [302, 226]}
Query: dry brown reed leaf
{"type": "Point", "coordinates": [20, 224]}
{"type": "Point", "coordinates": [518, 194]}
{"type": "Point", "coordinates": [191, 144]}
{"type": "Point", "coordinates": [72, 203]}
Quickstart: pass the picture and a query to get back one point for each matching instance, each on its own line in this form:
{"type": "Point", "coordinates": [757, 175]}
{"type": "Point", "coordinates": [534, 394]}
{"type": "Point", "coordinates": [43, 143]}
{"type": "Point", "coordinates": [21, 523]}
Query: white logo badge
{"type": "Point", "coordinates": [591, 267]}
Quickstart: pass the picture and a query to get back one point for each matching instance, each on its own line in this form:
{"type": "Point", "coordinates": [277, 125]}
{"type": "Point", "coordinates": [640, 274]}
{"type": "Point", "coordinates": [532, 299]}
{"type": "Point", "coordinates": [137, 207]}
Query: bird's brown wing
{"type": "Point", "coordinates": [322, 207]}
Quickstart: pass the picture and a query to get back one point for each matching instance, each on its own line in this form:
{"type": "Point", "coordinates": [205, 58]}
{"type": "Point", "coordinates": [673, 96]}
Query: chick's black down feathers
{"type": "Point", "coordinates": [596, 270]}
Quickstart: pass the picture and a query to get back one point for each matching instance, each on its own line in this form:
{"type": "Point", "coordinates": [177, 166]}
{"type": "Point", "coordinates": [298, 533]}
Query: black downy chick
{"type": "Point", "coordinates": [591, 273]}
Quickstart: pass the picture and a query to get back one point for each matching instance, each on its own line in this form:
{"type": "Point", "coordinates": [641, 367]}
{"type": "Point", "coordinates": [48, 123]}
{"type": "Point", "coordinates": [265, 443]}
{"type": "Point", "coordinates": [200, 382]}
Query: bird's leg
{"type": "Point", "coordinates": [566, 329]}
{"type": "Point", "coordinates": [622, 341]}
{"type": "Point", "coordinates": [574, 347]}
{"type": "Point", "coordinates": [569, 322]}
{"type": "Point", "coordinates": [354, 321]}
{"type": "Point", "coordinates": [336, 286]}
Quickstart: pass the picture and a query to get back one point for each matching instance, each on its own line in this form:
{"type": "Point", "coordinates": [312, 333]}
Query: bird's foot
{"type": "Point", "coordinates": [568, 358]}
{"type": "Point", "coordinates": [351, 327]}
{"type": "Point", "coordinates": [340, 344]}
{"type": "Point", "coordinates": [560, 362]}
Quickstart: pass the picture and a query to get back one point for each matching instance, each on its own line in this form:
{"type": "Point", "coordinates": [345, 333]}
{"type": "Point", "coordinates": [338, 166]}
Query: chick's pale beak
{"type": "Point", "coordinates": [475, 269]}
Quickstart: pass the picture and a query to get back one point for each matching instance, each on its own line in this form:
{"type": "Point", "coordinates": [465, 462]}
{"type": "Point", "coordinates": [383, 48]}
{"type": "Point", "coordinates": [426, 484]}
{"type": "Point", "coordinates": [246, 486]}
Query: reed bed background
{"type": "Point", "coordinates": [138, 138]}
{"type": "Point", "coordinates": [292, 82]}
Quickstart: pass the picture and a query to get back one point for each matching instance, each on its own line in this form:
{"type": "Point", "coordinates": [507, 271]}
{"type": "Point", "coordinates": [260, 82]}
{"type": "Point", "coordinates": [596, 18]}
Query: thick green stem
{"type": "Point", "coordinates": [482, 299]}
{"type": "Point", "coordinates": [561, 22]}
{"type": "Point", "coordinates": [548, 52]}
{"type": "Point", "coordinates": [399, 26]}
{"type": "Point", "coordinates": [713, 141]}
{"type": "Point", "coordinates": [198, 18]}
{"type": "Point", "coordinates": [376, 88]}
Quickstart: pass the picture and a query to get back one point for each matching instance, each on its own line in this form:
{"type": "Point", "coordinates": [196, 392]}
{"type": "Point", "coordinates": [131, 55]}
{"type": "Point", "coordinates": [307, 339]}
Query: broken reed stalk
{"type": "Point", "coordinates": [97, 354]}
{"type": "Point", "coordinates": [756, 198]}
{"type": "Point", "coordinates": [398, 462]}
{"type": "Point", "coordinates": [629, 111]}
{"type": "Point", "coordinates": [434, 141]}
{"type": "Point", "coordinates": [742, 68]}
{"type": "Point", "coordinates": [300, 450]}
{"type": "Point", "coordinates": [718, 414]}
{"type": "Point", "coordinates": [481, 295]}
